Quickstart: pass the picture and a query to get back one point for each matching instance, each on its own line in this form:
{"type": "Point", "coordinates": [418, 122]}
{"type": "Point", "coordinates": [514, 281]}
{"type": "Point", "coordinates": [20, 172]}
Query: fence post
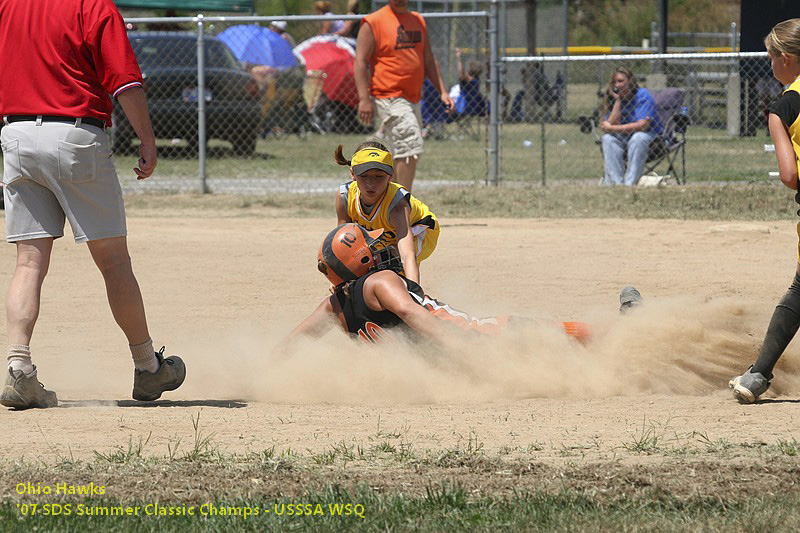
{"type": "Point", "coordinates": [542, 141]}
{"type": "Point", "coordinates": [492, 151]}
{"type": "Point", "coordinates": [734, 91]}
{"type": "Point", "coordinates": [201, 104]}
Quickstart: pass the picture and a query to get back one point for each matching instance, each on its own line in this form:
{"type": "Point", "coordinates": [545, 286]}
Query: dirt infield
{"type": "Point", "coordinates": [221, 291]}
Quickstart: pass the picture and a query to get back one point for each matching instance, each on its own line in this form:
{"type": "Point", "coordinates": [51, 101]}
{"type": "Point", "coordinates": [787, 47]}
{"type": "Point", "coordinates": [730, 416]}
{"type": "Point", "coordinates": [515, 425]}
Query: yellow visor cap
{"type": "Point", "coordinates": [370, 158]}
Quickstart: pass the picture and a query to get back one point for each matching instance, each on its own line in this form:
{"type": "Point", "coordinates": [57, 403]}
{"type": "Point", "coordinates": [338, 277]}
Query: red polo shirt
{"type": "Point", "coordinates": [63, 57]}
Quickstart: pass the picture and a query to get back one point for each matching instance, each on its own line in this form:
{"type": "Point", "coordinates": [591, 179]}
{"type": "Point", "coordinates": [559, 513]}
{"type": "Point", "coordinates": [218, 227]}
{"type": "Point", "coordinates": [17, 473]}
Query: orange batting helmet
{"type": "Point", "coordinates": [351, 251]}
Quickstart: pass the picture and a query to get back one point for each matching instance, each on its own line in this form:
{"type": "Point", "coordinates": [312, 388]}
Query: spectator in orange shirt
{"type": "Point", "coordinates": [393, 57]}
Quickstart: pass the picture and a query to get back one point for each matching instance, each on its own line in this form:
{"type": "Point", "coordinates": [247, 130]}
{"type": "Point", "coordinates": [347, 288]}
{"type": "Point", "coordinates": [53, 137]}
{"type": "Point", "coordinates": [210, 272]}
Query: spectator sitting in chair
{"type": "Point", "coordinates": [470, 100]}
{"type": "Point", "coordinates": [631, 124]}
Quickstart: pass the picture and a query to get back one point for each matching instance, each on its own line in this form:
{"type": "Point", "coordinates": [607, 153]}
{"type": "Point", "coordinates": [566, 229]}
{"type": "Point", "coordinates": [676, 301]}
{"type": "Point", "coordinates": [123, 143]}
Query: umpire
{"type": "Point", "coordinates": [62, 62]}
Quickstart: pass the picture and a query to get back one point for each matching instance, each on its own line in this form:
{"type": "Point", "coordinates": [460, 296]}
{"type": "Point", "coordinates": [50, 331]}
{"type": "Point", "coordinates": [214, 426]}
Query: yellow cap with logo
{"type": "Point", "coordinates": [369, 158]}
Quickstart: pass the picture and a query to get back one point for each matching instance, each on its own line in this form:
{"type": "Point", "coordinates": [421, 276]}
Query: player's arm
{"type": "Point", "coordinates": [365, 47]}
{"type": "Point", "coordinates": [432, 73]}
{"type": "Point", "coordinates": [341, 211]}
{"type": "Point", "coordinates": [391, 293]}
{"type": "Point", "coordinates": [134, 105]}
{"type": "Point", "coordinates": [400, 218]}
{"type": "Point", "coordinates": [787, 160]}
{"type": "Point", "coordinates": [319, 321]}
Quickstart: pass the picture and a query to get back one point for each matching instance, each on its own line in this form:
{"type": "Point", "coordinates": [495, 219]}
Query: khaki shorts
{"type": "Point", "coordinates": [55, 171]}
{"type": "Point", "coordinates": [402, 125]}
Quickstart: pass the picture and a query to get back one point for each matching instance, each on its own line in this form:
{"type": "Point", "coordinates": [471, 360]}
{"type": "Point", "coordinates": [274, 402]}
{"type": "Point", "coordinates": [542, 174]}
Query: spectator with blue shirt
{"type": "Point", "coordinates": [630, 126]}
{"type": "Point", "coordinates": [470, 101]}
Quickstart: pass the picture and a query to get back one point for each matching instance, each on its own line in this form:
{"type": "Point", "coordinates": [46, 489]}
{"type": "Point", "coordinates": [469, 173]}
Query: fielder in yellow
{"type": "Point", "coordinates": [373, 201]}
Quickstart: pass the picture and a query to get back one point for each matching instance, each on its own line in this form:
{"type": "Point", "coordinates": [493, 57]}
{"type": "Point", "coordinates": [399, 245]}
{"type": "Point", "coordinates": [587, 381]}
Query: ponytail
{"type": "Point", "coordinates": [340, 159]}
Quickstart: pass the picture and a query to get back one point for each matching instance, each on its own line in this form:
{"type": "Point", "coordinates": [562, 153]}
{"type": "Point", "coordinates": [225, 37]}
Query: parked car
{"type": "Point", "coordinates": [168, 61]}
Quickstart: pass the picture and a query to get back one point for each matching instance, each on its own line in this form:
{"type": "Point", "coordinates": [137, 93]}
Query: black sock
{"type": "Point", "coordinates": [782, 328]}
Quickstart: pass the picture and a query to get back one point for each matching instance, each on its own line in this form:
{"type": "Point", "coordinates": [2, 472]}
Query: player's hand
{"type": "Point", "coordinates": [147, 161]}
{"type": "Point", "coordinates": [366, 111]}
{"type": "Point", "coordinates": [448, 102]}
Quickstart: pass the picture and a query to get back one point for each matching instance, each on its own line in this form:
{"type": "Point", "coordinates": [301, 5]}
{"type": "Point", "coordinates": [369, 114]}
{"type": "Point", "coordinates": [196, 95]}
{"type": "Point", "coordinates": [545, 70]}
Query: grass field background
{"type": "Point", "coordinates": [711, 156]}
{"type": "Point", "coordinates": [293, 162]}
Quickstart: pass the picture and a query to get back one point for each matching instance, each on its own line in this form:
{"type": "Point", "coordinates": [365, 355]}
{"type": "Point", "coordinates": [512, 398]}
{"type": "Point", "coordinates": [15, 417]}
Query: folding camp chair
{"type": "Point", "coordinates": [434, 114]}
{"type": "Point", "coordinates": [467, 117]}
{"type": "Point", "coordinates": [666, 147]}
{"type": "Point", "coordinates": [470, 107]}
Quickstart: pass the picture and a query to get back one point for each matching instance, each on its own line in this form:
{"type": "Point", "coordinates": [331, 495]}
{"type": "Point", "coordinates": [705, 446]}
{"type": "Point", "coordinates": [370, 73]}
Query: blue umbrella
{"type": "Point", "coordinates": [258, 45]}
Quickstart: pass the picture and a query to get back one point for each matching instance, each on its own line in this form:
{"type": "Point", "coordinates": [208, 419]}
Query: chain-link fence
{"type": "Point", "coordinates": [258, 104]}
{"type": "Point", "coordinates": [550, 121]}
{"type": "Point", "coordinates": [273, 98]}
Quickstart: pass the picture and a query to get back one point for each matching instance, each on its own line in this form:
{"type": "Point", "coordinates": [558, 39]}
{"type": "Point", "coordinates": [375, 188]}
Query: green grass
{"type": "Point", "coordinates": [311, 157]}
{"type": "Point", "coordinates": [569, 155]}
{"type": "Point", "coordinates": [711, 154]}
{"type": "Point", "coordinates": [442, 508]}
{"type": "Point", "coordinates": [388, 487]}
{"type": "Point", "coordinates": [739, 201]}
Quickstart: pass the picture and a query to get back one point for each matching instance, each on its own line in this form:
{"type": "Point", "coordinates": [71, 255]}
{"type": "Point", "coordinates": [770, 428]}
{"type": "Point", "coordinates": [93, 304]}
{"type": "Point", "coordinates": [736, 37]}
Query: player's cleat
{"type": "Point", "coordinates": [148, 386]}
{"type": "Point", "coordinates": [749, 386]}
{"type": "Point", "coordinates": [629, 297]}
{"type": "Point", "coordinates": [26, 392]}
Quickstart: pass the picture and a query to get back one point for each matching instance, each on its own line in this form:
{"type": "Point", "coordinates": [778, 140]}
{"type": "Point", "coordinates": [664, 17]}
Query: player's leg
{"type": "Point", "coordinates": [124, 296]}
{"type": "Point", "coordinates": [91, 196]}
{"type": "Point", "coordinates": [25, 290]}
{"type": "Point", "coordinates": [154, 374]}
{"type": "Point", "coordinates": [782, 328]}
{"type": "Point", "coordinates": [33, 220]}
{"type": "Point", "coordinates": [22, 388]}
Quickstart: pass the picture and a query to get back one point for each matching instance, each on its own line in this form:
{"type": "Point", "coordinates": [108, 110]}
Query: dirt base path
{"type": "Point", "coordinates": [222, 291]}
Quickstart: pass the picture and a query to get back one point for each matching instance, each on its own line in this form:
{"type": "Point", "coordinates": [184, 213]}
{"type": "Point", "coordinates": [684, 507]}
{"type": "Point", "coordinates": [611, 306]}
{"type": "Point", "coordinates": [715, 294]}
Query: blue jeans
{"type": "Point", "coordinates": [615, 145]}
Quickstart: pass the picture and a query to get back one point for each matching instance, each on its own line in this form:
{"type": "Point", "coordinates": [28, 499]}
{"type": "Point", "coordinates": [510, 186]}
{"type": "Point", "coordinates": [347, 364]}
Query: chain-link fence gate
{"type": "Point", "coordinates": [258, 104]}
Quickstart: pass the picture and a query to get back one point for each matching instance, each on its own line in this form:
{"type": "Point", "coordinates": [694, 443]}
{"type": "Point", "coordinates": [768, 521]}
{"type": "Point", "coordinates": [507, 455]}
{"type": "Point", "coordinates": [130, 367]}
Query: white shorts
{"type": "Point", "coordinates": [56, 171]}
{"type": "Point", "coordinates": [402, 125]}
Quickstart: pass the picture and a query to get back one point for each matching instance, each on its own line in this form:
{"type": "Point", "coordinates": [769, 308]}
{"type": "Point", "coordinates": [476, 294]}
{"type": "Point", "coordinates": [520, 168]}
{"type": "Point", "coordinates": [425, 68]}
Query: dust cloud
{"type": "Point", "coordinates": [671, 346]}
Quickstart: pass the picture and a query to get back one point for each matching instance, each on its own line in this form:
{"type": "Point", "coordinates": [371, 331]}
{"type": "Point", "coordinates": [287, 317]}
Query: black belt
{"type": "Point", "coordinates": [52, 118]}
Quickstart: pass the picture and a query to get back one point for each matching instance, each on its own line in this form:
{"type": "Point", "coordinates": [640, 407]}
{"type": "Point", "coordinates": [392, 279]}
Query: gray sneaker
{"type": "Point", "coordinates": [749, 386]}
{"type": "Point", "coordinates": [148, 386]}
{"type": "Point", "coordinates": [25, 392]}
{"type": "Point", "coordinates": [629, 297]}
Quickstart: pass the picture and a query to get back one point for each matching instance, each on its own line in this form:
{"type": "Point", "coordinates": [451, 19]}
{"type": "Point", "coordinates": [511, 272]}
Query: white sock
{"type": "Point", "coordinates": [144, 357]}
{"type": "Point", "coordinates": [19, 358]}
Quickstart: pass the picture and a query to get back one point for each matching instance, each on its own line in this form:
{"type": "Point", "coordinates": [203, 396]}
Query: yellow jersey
{"type": "Point", "coordinates": [794, 127]}
{"type": "Point", "coordinates": [420, 215]}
